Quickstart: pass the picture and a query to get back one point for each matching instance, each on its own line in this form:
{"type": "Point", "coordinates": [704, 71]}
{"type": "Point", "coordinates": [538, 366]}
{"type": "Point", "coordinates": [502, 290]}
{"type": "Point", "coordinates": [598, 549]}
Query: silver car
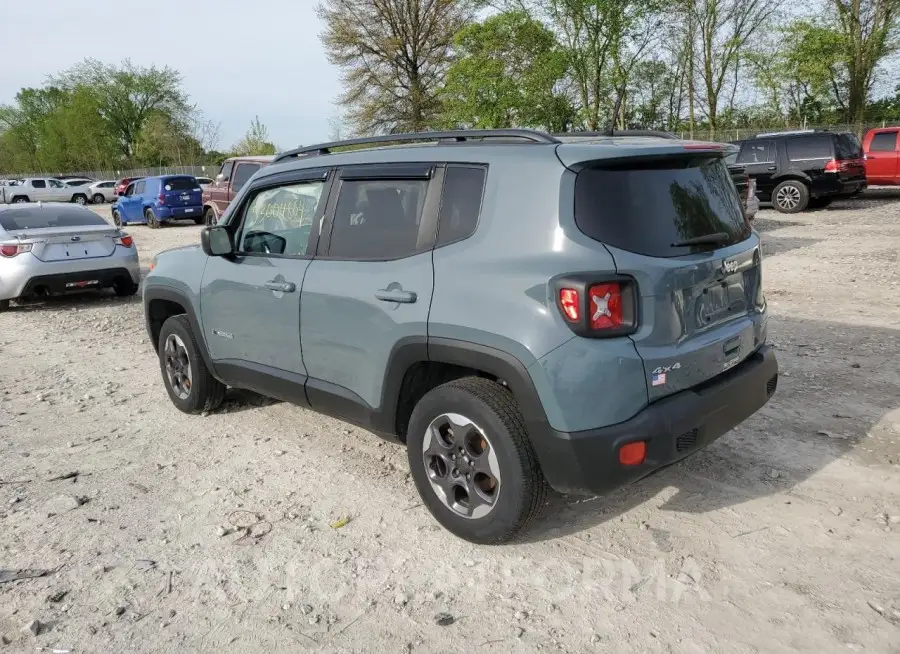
{"type": "Point", "coordinates": [101, 192]}
{"type": "Point", "coordinates": [48, 248]}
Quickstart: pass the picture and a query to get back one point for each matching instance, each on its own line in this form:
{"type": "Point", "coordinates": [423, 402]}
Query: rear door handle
{"type": "Point", "coordinates": [406, 297]}
{"type": "Point", "coordinates": [284, 287]}
{"type": "Point", "coordinates": [771, 168]}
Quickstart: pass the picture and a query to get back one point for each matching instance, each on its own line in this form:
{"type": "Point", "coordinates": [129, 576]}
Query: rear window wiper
{"type": "Point", "coordinates": [718, 238]}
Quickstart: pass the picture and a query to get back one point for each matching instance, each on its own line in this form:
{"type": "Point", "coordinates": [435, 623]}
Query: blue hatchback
{"type": "Point", "coordinates": [155, 200]}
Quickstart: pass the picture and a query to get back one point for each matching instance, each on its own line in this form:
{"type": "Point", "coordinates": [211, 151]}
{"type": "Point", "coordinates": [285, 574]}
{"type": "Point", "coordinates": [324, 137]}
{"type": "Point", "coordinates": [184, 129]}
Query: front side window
{"type": "Point", "coordinates": [130, 190]}
{"type": "Point", "coordinates": [226, 170]}
{"type": "Point", "coordinates": [242, 173]}
{"type": "Point", "coordinates": [139, 188]}
{"type": "Point", "coordinates": [756, 152]}
{"type": "Point", "coordinates": [279, 220]}
{"type": "Point", "coordinates": [377, 219]}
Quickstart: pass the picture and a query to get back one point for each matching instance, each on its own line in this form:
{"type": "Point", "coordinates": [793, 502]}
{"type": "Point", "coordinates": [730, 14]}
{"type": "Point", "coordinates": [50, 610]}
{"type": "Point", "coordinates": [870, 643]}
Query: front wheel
{"type": "Point", "coordinates": [209, 217]}
{"type": "Point", "coordinates": [189, 383]}
{"type": "Point", "coordinates": [117, 218]}
{"type": "Point", "coordinates": [472, 461]}
{"type": "Point", "coordinates": [150, 217]}
{"type": "Point", "coordinates": [4, 305]}
{"type": "Point", "coordinates": [790, 196]}
{"type": "Point", "coordinates": [20, 200]}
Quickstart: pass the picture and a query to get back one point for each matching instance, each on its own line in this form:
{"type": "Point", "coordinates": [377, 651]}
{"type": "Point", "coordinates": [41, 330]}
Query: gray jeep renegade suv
{"type": "Point", "coordinates": [520, 310]}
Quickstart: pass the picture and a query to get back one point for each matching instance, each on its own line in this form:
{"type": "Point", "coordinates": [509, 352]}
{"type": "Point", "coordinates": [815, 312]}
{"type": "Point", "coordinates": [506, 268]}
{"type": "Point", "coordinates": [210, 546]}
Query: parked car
{"type": "Point", "coordinates": [78, 181]}
{"type": "Point", "coordinates": [622, 328]}
{"type": "Point", "coordinates": [102, 192]}
{"type": "Point", "coordinates": [203, 181]}
{"type": "Point", "coordinates": [156, 200]}
{"type": "Point", "coordinates": [807, 168]}
{"type": "Point", "coordinates": [123, 184]}
{"type": "Point", "coordinates": [231, 178]}
{"type": "Point", "coordinates": [67, 178]}
{"type": "Point", "coordinates": [55, 248]}
{"type": "Point", "coordinates": [882, 151]}
{"type": "Point", "coordinates": [745, 185]}
{"type": "Point", "coordinates": [43, 189]}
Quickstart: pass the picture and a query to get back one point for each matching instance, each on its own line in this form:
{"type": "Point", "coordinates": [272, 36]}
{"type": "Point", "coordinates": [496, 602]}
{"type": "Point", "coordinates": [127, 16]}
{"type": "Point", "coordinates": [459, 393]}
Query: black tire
{"type": "Point", "coordinates": [150, 217]}
{"type": "Point", "coordinates": [790, 196]}
{"type": "Point", "coordinates": [98, 198]}
{"type": "Point", "coordinates": [4, 305]}
{"type": "Point", "coordinates": [117, 218]}
{"type": "Point", "coordinates": [80, 198]}
{"type": "Point", "coordinates": [819, 203]}
{"type": "Point", "coordinates": [209, 217]}
{"type": "Point", "coordinates": [206, 392]}
{"type": "Point", "coordinates": [125, 287]}
{"type": "Point", "coordinates": [20, 199]}
{"type": "Point", "coordinates": [199, 220]}
{"type": "Point", "coordinates": [522, 488]}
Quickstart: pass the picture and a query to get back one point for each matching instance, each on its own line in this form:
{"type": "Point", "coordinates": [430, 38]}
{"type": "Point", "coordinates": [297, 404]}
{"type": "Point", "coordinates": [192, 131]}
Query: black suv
{"type": "Point", "coordinates": [804, 169]}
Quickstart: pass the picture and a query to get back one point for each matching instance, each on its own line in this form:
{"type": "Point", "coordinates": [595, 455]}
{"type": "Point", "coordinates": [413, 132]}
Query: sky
{"type": "Point", "coordinates": [237, 58]}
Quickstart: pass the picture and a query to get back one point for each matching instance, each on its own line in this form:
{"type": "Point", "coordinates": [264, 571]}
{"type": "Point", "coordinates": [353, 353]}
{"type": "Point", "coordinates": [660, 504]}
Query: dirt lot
{"type": "Point", "coordinates": [782, 536]}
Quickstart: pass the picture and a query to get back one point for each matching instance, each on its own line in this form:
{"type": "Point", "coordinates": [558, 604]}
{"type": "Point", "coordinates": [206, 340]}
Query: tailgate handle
{"type": "Point", "coordinates": [732, 345]}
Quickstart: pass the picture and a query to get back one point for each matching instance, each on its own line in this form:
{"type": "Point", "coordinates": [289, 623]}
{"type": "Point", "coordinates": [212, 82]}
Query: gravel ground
{"type": "Point", "coordinates": [782, 536]}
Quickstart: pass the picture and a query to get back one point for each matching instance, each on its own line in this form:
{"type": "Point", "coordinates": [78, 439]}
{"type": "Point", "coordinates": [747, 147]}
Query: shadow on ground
{"type": "Point", "coordinates": [836, 391]}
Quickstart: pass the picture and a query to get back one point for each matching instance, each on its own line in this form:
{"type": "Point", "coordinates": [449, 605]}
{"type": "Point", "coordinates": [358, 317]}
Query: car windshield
{"type": "Point", "coordinates": [44, 217]}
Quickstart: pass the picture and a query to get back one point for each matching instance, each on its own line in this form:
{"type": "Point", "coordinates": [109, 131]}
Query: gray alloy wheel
{"type": "Point", "coordinates": [98, 198]}
{"type": "Point", "coordinates": [788, 197]}
{"type": "Point", "coordinates": [79, 199]}
{"type": "Point", "coordinates": [462, 466]}
{"type": "Point", "coordinates": [178, 367]}
{"type": "Point", "coordinates": [117, 218]}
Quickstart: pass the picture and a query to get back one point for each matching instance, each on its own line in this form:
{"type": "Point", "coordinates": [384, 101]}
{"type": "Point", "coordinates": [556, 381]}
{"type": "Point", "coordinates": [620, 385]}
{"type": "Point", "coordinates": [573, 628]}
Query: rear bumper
{"type": "Point", "coordinates": [80, 281]}
{"type": "Point", "coordinates": [675, 427]}
{"type": "Point", "coordinates": [21, 275]}
{"type": "Point", "coordinates": [178, 213]}
{"type": "Point", "coordinates": [838, 186]}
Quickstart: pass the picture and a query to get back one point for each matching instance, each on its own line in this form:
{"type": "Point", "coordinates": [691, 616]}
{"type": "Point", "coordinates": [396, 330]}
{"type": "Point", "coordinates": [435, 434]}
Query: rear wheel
{"type": "Point", "coordinates": [791, 196]}
{"type": "Point", "coordinates": [117, 218]}
{"type": "Point", "coordinates": [472, 461]}
{"type": "Point", "coordinates": [199, 220]}
{"type": "Point", "coordinates": [189, 383]}
{"type": "Point", "coordinates": [4, 305]}
{"type": "Point", "coordinates": [98, 198]}
{"type": "Point", "coordinates": [150, 217]}
{"type": "Point", "coordinates": [20, 199]}
{"type": "Point", "coordinates": [79, 199]}
{"type": "Point", "coordinates": [209, 217]}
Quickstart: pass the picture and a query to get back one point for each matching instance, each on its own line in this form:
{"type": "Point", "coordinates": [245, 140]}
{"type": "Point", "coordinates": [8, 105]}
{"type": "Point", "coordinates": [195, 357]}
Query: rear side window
{"type": "Point", "coordinates": [847, 146]}
{"type": "Point", "coordinates": [180, 184]}
{"type": "Point", "coordinates": [13, 219]}
{"type": "Point", "coordinates": [755, 152]}
{"type": "Point", "coordinates": [242, 173]}
{"type": "Point", "coordinates": [648, 207]}
{"type": "Point", "coordinates": [377, 219]}
{"type": "Point", "coordinates": [460, 204]}
{"type": "Point", "coordinates": [884, 142]}
{"type": "Point", "coordinates": [38, 183]}
{"type": "Point", "coordinates": [806, 148]}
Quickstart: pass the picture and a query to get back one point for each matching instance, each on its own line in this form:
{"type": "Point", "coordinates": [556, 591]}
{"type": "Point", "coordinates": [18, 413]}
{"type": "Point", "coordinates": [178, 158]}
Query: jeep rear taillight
{"type": "Point", "coordinates": [596, 305]}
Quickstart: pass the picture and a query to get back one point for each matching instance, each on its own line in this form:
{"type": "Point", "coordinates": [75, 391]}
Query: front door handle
{"type": "Point", "coordinates": [284, 287]}
{"type": "Point", "coordinates": [771, 168]}
{"type": "Point", "coordinates": [406, 297]}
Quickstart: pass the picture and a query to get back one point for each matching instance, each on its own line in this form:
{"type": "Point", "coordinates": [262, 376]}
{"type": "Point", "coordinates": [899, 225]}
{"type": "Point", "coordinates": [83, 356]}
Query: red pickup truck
{"type": "Point", "coordinates": [882, 149]}
{"type": "Point", "coordinates": [232, 176]}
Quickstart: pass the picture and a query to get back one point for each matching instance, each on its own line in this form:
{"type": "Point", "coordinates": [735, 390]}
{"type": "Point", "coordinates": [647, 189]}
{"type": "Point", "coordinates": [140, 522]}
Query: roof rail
{"type": "Point", "coordinates": [788, 132]}
{"type": "Point", "coordinates": [624, 132]}
{"type": "Point", "coordinates": [458, 135]}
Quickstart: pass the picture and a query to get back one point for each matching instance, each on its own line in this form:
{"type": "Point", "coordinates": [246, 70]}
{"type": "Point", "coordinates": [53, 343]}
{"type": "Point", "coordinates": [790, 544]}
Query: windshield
{"type": "Point", "coordinates": [648, 206]}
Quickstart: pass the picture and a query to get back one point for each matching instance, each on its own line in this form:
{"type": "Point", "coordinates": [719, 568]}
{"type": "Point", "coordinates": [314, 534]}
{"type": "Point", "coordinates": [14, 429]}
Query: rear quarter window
{"type": "Point", "coordinates": [649, 206]}
{"type": "Point", "coordinates": [807, 148]}
{"type": "Point", "coordinates": [847, 146]}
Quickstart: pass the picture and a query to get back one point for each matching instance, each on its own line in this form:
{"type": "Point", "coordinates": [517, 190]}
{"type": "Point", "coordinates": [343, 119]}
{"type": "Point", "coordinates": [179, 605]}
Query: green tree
{"type": "Point", "coordinates": [255, 141]}
{"type": "Point", "coordinates": [127, 95]}
{"type": "Point", "coordinates": [507, 74]}
{"type": "Point", "coordinates": [393, 55]}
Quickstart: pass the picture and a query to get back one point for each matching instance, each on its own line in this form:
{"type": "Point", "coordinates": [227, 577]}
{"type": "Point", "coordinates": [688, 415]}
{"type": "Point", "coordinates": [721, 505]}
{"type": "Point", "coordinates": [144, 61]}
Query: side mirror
{"type": "Point", "coordinates": [220, 178]}
{"type": "Point", "coordinates": [216, 241]}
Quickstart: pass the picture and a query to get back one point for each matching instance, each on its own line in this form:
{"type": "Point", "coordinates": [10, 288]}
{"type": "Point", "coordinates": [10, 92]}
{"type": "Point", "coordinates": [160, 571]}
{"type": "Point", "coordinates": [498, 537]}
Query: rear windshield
{"type": "Point", "coordinates": [180, 183]}
{"type": "Point", "coordinates": [651, 206]}
{"type": "Point", "coordinates": [847, 146]}
{"type": "Point", "coordinates": [16, 219]}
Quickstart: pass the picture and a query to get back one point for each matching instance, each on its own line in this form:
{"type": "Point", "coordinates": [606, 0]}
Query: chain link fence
{"type": "Point", "coordinates": [740, 133]}
{"type": "Point", "coordinates": [106, 175]}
